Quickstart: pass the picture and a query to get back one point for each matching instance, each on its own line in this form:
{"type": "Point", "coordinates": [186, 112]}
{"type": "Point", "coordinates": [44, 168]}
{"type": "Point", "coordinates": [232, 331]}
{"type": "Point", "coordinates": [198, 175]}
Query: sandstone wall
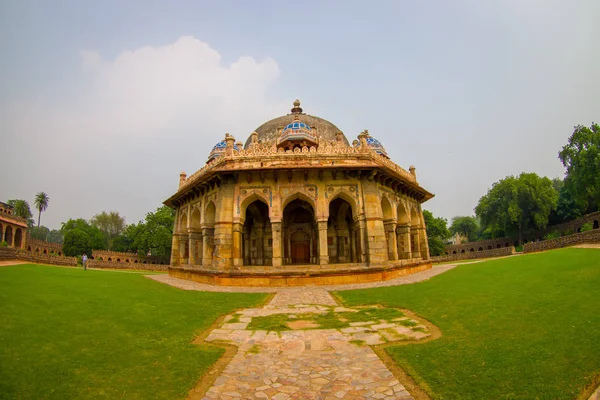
{"type": "Point", "coordinates": [42, 258]}
{"type": "Point", "coordinates": [501, 252]}
{"type": "Point", "coordinates": [592, 236]}
{"type": "Point", "coordinates": [41, 246]}
{"type": "Point", "coordinates": [8, 253]}
{"type": "Point", "coordinates": [122, 257]}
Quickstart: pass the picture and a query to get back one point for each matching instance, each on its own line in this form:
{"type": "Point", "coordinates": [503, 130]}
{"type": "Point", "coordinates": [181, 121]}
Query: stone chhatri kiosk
{"type": "Point", "coordinates": [298, 205]}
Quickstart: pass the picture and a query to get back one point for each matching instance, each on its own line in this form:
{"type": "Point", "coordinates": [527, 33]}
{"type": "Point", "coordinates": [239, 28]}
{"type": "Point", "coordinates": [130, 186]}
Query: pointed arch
{"type": "Point", "coordinates": [248, 201]}
{"type": "Point", "coordinates": [195, 218]}
{"type": "Point", "coordinates": [402, 215]}
{"type": "Point", "coordinates": [349, 199]}
{"type": "Point", "coordinates": [299, 196]}
{"type": "Point", "coordinates": [386, 209]}
{"type": "Point", "coordinates": [210, 213]}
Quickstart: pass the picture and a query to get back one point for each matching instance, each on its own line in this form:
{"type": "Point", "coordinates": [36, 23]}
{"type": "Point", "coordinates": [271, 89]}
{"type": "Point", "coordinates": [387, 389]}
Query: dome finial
{"type": "Point", "coordinates": [297, 109]}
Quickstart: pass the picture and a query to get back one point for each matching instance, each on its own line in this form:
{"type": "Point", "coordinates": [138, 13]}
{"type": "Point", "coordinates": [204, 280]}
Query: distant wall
{"type": "Point", "coordinates": [7, 253]}
{"type": "Point", "coordinates": [565, 228]}
{"type": "Point", "coordinates": [43, 247]}
{"type": "Point", "coordinates": [95, 263]}
{"type": "Point", "coordinates": [501, 252]}
{"type": "Point", "coordinates": [121, 257]}
{"type": "Point", "coordinates": [592, 236]}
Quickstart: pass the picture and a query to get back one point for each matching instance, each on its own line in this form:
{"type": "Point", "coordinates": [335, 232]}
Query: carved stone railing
{"type": "Point", "coordinates": [325, 148]}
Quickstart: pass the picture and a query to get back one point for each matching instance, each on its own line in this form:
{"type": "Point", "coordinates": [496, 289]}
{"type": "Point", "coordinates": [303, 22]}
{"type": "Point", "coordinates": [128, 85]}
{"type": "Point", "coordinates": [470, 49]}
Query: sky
{"type": "Point", "coordinates": [103, 104]}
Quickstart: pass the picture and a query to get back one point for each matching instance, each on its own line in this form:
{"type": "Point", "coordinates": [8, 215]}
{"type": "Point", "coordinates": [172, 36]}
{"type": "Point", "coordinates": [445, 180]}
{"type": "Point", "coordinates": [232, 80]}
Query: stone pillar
{"type": "Point", "coordinates": [424, 244]}
{"type": "Point", "coordinates": [175, 250]}
{"type": "Point", "coordinates": [390, 230]}
{"type": "Point", "coordinates": [207, 246]}
{"type": "Point", "coordinates": [363, 254]}
{"type": "Point", "coordinates": [276, 232]}
{"type": "Point", "coordinates": [260, 245]}
{"type": "Point", "coordinates": [341, 247]}
{"type": "Point", "coordinates": [416, 243]}
{"type": "Point", "coordinates": [403, 239]}
{"type": "Point", "coordinates": [323, 250]}
{"type": "Point", "coordinates": [238, 257]}
{"type": "Point", "coordinates": [194, 239]}
{"type": "Point", "coordinates": [183, 246]}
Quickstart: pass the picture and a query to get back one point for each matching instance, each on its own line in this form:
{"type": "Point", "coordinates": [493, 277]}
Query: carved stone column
{"type": "Point", "coordinates": [207, 246]}
{"type": "Point", "coordinates": [194, 240]}
{"type": "Point", "coordinates": [323, 250]}
{"type": "Point", "coordinates": [276, 232]}
{"type": "Point", "coordinates": [363, 247]}
{"type": "Point", "coordinates": [403, 239]}
{"type": "Point", "coordinates": [184, 252]}
{"type": "Point", "coordinates": [416, 243]}
{"type": "Point", "coordinates": [390, 231]}
{"type": "Point", "coordinates": [260, 246]}
{"type": "Point", "coordinates": [238, 259]}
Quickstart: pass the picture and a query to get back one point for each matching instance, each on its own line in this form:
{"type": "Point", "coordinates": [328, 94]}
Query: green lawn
{"type": "Point", "coordinates": [68, 333]}
{"type": "Point", "coordinates": [524, 327]}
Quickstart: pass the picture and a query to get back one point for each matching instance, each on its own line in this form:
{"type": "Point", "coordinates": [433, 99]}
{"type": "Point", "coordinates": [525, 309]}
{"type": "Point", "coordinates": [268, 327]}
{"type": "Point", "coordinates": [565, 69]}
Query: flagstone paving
{"type": "Point", "coordinates": [309, 363]}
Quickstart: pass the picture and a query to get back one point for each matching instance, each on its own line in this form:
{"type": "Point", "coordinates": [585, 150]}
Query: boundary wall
{"type": "Point", "coordinates": [471, 255]}
{"type": "Point", "coordinates": [592, 236]}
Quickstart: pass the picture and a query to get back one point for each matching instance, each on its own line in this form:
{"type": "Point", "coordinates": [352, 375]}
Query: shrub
{"type": "Point", "coordinates": [586, 227]}
{"type": "Point", "coordinates": [3, 244]}
{"type": "Point", "coordinates": [552, 235]}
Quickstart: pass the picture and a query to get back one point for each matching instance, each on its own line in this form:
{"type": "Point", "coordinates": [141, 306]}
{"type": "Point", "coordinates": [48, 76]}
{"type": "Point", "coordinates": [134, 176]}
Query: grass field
{"type": "Point", "coordinates": [525, 327]}
{"type": "Point", "coordinates": [68, 333]}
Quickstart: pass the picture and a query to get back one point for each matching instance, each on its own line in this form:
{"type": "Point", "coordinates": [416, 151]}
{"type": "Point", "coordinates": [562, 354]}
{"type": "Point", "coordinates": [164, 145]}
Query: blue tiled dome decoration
{"type": "Point", "coordinates": [219, 149]}
{"type": "Point", "coordinates": [376, 145]}
{"type": "Point", "coordinates": [296, 126]}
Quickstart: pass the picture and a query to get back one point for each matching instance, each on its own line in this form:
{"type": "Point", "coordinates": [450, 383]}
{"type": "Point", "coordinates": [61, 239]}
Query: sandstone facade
{"type": "Point", "coordinates": [294, 197]}
{"type": "Point", "coordinates": [13, 229]}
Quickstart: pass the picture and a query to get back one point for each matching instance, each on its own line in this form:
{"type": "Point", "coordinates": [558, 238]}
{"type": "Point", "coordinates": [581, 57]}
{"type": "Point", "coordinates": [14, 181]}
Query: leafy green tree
{"type": "Point", "coordinates": [55, 236]}
{"type": "Point", "coordinates": [567, 208]}
{"type": "Point", "coordinates": [155, 234]}
{"type": "Point", "coordinates": [581, 158]}
{"type": "Point", "coordinates": [97, 240]}
{"type": "Point", "coordinates": [465, 226]}
{"type": "Point", "coordinates": [21, 209]}
{"type": "Point", "coordinates": [77, 242]}
{"type": "Point", "coordinates": [516, 204]}
{"type": "Point", "coordinates": [437, 233]}
{"type": "Point", "coordinates": [41, 204]}
{"type": "Point", "coordinates": [110, 224]}
{"type": "Point", "coordinates": [39, 232]}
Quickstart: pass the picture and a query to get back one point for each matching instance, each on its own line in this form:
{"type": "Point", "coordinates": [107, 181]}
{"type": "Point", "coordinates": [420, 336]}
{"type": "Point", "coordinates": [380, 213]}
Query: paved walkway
{"type": "Point", "coordinates": [309, 364]}
{"type": "Point", "coordinates": [12, 262]}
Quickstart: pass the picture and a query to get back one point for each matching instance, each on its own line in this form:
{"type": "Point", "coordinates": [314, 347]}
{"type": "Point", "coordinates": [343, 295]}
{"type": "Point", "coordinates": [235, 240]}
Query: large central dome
{"type": "Point", "coordinates": [268, 132]}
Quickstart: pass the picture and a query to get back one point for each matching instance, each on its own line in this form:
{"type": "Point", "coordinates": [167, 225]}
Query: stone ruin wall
{"type": "Point", "coordinates": [564, 229]}
{"type": "Point", "coordinates": [497, 252]}
{"type": "Point", "coordinates": [592, 236]}
{"type": "Point", "coordinates": [43, 247]}
{"type": "Point", "coordinates": [8, 253]}
{"type": "Point", "coordinates": [121, 260]}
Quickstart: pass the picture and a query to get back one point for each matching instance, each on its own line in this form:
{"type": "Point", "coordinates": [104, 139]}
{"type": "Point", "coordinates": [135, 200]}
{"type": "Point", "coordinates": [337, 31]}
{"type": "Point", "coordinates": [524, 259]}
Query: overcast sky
{"type": "Point", "coordinates": [104, 103]}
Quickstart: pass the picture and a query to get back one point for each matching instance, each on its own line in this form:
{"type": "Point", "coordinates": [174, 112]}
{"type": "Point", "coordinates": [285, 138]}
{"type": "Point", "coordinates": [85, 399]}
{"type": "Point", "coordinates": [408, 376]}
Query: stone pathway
{"type": "Point", "coordinates": [309, 364]}
{"type": "Point", "coordinates": [12, 262]}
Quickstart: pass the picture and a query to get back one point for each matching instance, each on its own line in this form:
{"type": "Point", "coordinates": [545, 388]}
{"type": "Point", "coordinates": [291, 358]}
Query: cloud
{"type": "Point", "coordinates": [122, 125]}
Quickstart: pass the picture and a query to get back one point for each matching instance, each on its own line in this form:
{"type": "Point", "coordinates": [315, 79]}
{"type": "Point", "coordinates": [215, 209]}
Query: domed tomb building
{"type": "Point", "coordinates": [298, 204]}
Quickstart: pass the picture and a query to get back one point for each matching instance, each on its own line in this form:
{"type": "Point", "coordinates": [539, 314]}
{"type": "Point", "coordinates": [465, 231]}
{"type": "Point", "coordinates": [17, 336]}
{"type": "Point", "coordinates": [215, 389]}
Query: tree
{"type": "Point", "coordinates": [41, 203]}
{"type": "Point", "coordinates": [110, 224]}
{"type": "Point", "coordinates": [437, 232]}
{"type": "Point", "coordinates": [567, 208]}
{"type": "Point", "coordinates": [21, 209]}
{"type": "Point", "coordinates": [465, 226]}
{"type": "Point", "coordinates": [97, 241]}
{"type": "Point", "coordinates": [55, 236]}
{"type": "Point", "coordinates": [77, 242]}
{"type": "Point", "coordinates": [515, 205]}
{"type": "Point", "coordinates": [39, 232]}
{"type": "Point", "coordinates": [155, 234]}
{"type": "Point", "coordinates": [581, 157]}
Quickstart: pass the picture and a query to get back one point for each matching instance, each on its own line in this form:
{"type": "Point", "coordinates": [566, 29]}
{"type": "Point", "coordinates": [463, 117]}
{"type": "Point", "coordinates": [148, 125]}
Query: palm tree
{"type": "Point", "coordinates": [41, 203]}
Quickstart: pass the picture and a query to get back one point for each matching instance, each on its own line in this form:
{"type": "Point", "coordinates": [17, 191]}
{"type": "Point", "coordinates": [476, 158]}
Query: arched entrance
{"type": "Point", "coordinates": [595, 225]}
{"type": "Point", "coordinates": [390, 229]}
{"type": "Point", "coordinates": [300, 233]}
{"type": "Point", "coordinates": [8, 235]}
{"type": "Point", "coordinates": [18, 238]}
{"type": "Point", "coordinates": [341, 240]}
{"type": "Point", "coordinates": [257, 240]}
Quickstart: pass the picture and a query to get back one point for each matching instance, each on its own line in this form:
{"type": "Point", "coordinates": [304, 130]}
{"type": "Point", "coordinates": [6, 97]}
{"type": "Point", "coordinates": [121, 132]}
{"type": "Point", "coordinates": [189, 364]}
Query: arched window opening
{"type": "Point", "coordinates": [300, 234]}
{"type": "Point", "coordinates": [341, 245]}
{"type": "Point", "coordinates": [257, 236]}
